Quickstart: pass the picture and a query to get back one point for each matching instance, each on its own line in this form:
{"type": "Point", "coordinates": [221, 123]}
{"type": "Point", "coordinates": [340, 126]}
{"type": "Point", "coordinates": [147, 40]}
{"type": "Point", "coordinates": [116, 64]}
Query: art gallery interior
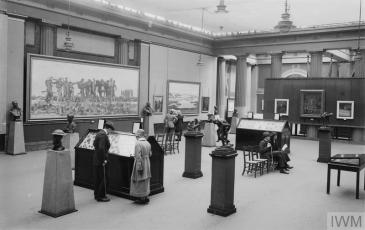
{"type": "Point", "coordinates": [295, 69]}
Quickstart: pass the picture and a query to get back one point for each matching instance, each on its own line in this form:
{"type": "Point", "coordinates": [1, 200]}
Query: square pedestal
{"type": "Point", "coordinates": [16, 138]}
{"type": "Point", "coordinates": [58, 195]}
{"type": "Point", "coordinates": [70, 141]}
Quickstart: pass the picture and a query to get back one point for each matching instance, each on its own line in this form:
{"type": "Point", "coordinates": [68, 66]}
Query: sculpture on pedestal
{"type": "Point", "coordinates": [194, 125]}
{"type": "Point", "coordinates": [57, 140]}
{"type": "Point", "coordinates": [235, 113]}
{"type": "Point", "coordinates": [325, 118]}
{"type": "Point", "coordinates": [222, 132]}
{"type": "Point", "coordinates": [71, 125]}
{"type": "Point", "coordinates": [15, 111]}
{"type": "Point", "coordinates": [147, 110]}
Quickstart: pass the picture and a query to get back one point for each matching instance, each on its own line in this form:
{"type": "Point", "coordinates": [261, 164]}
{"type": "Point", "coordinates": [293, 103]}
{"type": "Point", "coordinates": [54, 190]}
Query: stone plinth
{"type": "Point", "coordinates": [16, 138]}
{"type": "Point", "coordinates": [58, 195]}
{"type": "Point", "coordinates": [324, 152]}
{"type": "Point", "coordinates": [210, 135]}
{"type": "Point", "coordinates": [70, 141]}
{"type": "Point", "coordinates": [193, 154]}
{"type": "Point", "coordinates": [222, 189]}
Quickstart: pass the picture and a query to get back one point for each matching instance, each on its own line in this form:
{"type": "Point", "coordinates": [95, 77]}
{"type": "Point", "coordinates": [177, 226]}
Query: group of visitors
{"type": "Point", "coordinates": [173, 124]}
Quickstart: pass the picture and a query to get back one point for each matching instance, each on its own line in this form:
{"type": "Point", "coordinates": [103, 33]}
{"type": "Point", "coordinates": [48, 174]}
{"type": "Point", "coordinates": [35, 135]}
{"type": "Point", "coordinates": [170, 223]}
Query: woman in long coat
{"type": "Point", "coordinates": [141, 173]}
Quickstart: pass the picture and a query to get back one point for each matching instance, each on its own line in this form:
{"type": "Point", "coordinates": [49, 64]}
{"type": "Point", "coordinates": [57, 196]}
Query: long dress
{"type": "Point", "coordinates": [141, 173]}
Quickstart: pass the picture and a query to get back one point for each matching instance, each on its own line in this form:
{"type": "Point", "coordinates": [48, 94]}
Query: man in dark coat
{"type": "Point", "coordinates": [265, 149]}
{"type": "Point", "coordinates": [100, 159]}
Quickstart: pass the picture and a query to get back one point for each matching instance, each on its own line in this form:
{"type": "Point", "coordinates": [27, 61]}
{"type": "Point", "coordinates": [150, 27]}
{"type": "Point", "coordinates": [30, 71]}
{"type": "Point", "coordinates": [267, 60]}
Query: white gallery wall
{"type": "Point", "coordinates": [172, 64]}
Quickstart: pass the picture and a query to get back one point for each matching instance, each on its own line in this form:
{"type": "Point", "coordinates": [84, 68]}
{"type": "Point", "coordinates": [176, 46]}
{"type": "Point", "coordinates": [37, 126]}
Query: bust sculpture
{"type": "Point", "coordinates": [194, 125]}
{"type": "Point", "coordinates": [71, 125]}
{"type": "Point", "coordinates": [15, 111]}
{"type": "Point", "coordinates": [147, 110]}
{"type": "Point", "coordinates": [235, 113]}
{"type": "Point", "coordinates": [57, 140]}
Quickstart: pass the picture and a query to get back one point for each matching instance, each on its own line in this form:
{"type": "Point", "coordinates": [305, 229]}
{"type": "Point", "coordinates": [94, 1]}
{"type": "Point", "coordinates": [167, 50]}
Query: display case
{"type": "Point", "coordinates": [249, 132]}
{"type": "Point", "coordinates": [120, 163]}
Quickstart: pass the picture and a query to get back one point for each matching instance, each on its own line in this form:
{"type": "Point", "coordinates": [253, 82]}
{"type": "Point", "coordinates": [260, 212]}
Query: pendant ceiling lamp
{"type": "Point", "coordinates": [68, 44]}
{"type": "Point", "coordinates": [221, 7]}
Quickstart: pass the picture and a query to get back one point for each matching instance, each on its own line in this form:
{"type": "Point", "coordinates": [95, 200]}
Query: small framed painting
{"type": "Point", "coordinates": [282, 107]}
{"type": "Point", "coordinates": [345, 110]}
{"type": "Point", "coordinates": [205, 104]}
{"type": "Point", "coordinates": [157, 104]}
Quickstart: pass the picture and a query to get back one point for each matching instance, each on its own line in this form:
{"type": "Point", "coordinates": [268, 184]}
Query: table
{"type": "Point", "coordinates": [346, 162]}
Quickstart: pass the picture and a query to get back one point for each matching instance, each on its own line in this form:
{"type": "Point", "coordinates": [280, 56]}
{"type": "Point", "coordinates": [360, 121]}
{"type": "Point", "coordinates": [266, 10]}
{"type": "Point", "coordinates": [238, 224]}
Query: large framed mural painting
{"type": "Point", "coordinates": [311, 102]}
{"type": "Point", "coordinates": [183, 96]}
{"type": "Point", "coordinates": [60, 86]}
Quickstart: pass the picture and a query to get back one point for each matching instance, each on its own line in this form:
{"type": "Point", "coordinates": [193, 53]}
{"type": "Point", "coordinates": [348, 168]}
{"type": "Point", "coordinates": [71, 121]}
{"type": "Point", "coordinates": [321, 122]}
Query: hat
{"type": "Point", "coordinates": [266, 134]}
{"type": "Point", "coordinates": [109, 124]}
{"type": "Point", "coordinates": [58, 132]}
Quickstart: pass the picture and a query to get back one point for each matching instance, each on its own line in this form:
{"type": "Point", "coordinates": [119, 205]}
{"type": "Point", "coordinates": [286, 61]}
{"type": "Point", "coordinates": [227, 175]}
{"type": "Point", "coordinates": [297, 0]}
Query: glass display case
{"type": "Point", "coordinates": [120, 164]}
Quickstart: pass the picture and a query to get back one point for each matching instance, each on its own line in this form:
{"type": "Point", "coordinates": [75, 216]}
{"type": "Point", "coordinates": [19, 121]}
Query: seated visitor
{"type": "Point", "coordinates": [266, 151]}
{"type": "Point", "coordinates": [275, 148]}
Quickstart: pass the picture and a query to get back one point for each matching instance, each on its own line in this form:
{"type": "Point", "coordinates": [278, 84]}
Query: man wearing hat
{"type": "Point", "coordinates": [141, 173]}
{"type": "Point", "coordinates": [265, 149]}
{"type": "Point", "coordinates": [100, 159]}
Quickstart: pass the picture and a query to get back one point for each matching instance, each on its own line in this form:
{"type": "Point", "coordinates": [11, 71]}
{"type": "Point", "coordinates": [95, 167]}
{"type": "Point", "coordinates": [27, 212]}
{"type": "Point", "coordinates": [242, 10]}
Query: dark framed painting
{"type": "Point", "coordinates": [183, 96]}
{"type": "Point", "coordinates": [281, 107]}
{"type": "Point", "coordinates": [312, 102]}
{"type": "Point", "coordinates": [205, 104]}
{"type": "Point", "coordinates": [157, 104]}
{"type": "Point", "coordinates": [60, 86]}
{"type": "Point", "coordinates": [345, 110]}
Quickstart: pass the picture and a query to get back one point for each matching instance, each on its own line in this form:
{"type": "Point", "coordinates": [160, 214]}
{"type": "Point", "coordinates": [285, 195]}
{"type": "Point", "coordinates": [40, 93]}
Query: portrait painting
{"type": "Point", "coordinates": [312, 103]}
{"type": "Point", "coordinates": [345, 110]}
{"type": "Point", "coordinates": [281, 107]}
{"type": "Point", "coordinates": [205, 104]}
{"type": "Point", "coordinates": [183, 96]}
{"type": "Point", "coordinates": [157, 104]}
{"type": "Point", "coordinates": [60, 86]}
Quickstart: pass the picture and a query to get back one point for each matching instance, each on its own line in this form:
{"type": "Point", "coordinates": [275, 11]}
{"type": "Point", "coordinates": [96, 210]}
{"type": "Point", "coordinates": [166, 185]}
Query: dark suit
{"type": "Point", "coordinates": [101, 145]}
{"type": "Point", "coordinates": [265, 152]}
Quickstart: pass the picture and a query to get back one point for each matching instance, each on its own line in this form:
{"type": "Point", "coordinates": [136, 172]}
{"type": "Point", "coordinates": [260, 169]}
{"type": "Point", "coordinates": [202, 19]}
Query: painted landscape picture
{"type": "Point", "coordinates": [61, 86]}
{"type": "Point", "coordinates": [183, 96]}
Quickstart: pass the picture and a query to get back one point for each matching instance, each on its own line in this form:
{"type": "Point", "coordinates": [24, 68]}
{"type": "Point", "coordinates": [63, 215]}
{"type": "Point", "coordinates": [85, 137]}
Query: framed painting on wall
{"type": "Point", "coordinates": [205, 104]}
{"type": "Point", "coordinates": [282, 107]}
{"type": "Point", "coordinates": [345, 110]}
{"type": "Point", "coordinates": [157, 104]}
{"type": "Point", "coordinates": [311, 102]}
{"type": "Point", "coordinates": [60, 86]}
{"type": "Point", "coordinates": [183, 96]}
{"type": "Point", "coordinates": [230, 104]}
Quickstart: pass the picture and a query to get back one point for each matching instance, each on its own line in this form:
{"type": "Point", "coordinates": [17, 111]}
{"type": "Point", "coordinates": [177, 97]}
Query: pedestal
{"type": "Point", "coordinates": [70, 141]}
{"type": "Point", "coordinates": [58, 195]}
{"type": "Point", "coordinates": [193, 154]}
{"type": "Point", "coordinates": [324, 152]}
{"type": "Point", "coordinates": [234, 122]}
{"type": "Point", "coordinates": [210, 135]}
{"type": "Point", "coordinates": [312, 132]}
{"type": "Point", "coordinates": [16, 138]}
{"type": "Point", "coordinates": [222, 190]}
{"type": "Point", "coordinates": [357, 135]}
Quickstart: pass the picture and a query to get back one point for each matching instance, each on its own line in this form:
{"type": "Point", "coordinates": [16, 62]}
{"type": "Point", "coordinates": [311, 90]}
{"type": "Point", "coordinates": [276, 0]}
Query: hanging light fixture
{"type": "Point", "coordinates": [200, 60]}
{"type": "Point", "coordinates": [68, 44]}
{"type": "Point", "coordinates": [221, 7]}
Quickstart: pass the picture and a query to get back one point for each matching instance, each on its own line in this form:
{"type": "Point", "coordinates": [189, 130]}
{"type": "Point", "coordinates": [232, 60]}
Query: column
{"type": "Point", "coordinates": [248, 89]}
{"type": "Point", "coordinates": [241, 74]}
{"type": "Point", "coordinates": [123, 51]}
{"type": "Point", "coordinates": [254, 85]}
{"type": "Point", "coordinates": [276, 63]}
{"type": "Point", "coordinates": [144, 85]}
{"type": "Point", "coordinates": [316, 64]}
{"type": "Point", "coordinates": [221, 99]}
{"type": "Point", "coordinates": [47, 39]}
{"type": "Point", "coordinates": [3, 74]}
{"type": "Point", "coordinates": [359, 65]}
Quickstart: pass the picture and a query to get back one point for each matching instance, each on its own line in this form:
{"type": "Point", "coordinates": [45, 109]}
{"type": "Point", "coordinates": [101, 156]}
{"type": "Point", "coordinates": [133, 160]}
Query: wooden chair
{"type": "Point", "coordinates": [169, 143]}
{"type": "Point", "coordinates": [263, 163]}
{"type": "Point", "coordinates": [249, 165]}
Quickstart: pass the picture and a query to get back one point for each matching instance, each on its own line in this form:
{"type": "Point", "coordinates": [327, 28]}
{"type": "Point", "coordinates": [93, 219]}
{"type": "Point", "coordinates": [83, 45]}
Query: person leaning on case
{"type": "Point", "coordinates": [100, 160]}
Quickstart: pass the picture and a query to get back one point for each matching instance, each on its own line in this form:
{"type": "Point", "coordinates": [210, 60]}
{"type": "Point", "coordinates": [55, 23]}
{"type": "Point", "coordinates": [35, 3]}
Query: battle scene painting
{"type": "Point", "coordinates": [183, 96]}
{"type": "Point", "coordinates": [58, 87]}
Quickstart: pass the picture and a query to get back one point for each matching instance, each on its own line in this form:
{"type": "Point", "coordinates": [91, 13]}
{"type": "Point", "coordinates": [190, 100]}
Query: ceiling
{"type": "Point", "coordinates": [249, 15]}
